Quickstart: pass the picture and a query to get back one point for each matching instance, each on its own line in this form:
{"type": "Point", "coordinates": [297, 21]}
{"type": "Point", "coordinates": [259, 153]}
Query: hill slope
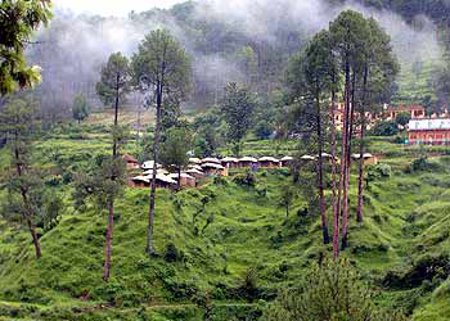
{"type": "Point", "coordinates": [247, 251]}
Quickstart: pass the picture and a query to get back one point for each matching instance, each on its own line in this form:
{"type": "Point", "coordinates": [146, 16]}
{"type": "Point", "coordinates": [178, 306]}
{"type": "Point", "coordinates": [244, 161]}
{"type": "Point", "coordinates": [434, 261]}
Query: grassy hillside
{"type": "Point", "coordinates": [247, 252]}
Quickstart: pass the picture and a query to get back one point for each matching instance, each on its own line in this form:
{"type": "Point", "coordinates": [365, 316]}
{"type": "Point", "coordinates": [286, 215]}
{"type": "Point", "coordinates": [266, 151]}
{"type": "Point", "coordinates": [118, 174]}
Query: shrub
{"type": "Point", "coordinates": [315, 297]}
{"type": "Point", "coordinates": [385, 128]}
{"type": "Point", "coordinates": [172, 254]}
{"type": "Point", "coordinates": [379, 171]}
{"type": "Point", "coordinates": [247, 179]}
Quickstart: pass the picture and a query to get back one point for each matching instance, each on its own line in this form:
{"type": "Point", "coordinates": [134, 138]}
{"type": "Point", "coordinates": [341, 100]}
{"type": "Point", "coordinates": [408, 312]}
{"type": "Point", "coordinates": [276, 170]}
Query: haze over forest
{"type": "Point", "coordinates": [245, 41]}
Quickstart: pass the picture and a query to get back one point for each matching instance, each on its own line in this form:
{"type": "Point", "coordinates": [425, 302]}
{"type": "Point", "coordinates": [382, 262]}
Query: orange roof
{"type": "Point", "coordinates": [130, 159]}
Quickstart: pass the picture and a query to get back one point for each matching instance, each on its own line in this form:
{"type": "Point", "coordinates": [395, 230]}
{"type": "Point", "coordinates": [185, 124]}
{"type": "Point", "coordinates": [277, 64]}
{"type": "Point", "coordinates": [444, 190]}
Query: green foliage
{"type": "Point", "coordinates": [379, 171]}
{"type": "Point", "coordinates": [263, 129]}
{"type": "Point", "coordinates": [330, 291]}
{"type": "Point", "coordinates": [175, 148]}
{"type": "Point", "coordinates": [237, 109]}
{"type": "Point", "coordinates": [104, 184]}
{"type": "Point", "coordinates": [288, 194]}
{"type": "Point", "coordinates": [403, 118]}
{"type": "Point", "coordinates": [421, 164]}
{"type": "Point", "coordinates": [115, 79]}
{"type": "Point", "coordinates": [18, 20]}
{"type": "Point", "coordinates": [385, 128]}
{"type": "Point", "coordinates": [150, 65]}
{"type": "Point", "coordinates": [80, 108]}
{"type": "Point", "coordinates": [247, 179]}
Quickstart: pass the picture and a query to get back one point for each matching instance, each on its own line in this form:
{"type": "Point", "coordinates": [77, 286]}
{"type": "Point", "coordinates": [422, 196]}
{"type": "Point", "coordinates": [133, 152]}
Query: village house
{"type": "Point", "coordinates": [186, 180]}
{"type": "Point", "coordinates": [196, 173]}
{"type": "Point", "coordinates": [132, 163]}
{"type": "Point", "coordinates": [307, 158]}
{"type": "Point", "coordinates": [210, 160]}
{"type": "Point", "coordinates": [389, 113]}
{"type": "Point", "coordinates": [415, 111]}
{"type": "Point", "coordinates": [149, 165]}
{"type": "Point", "coordinates": [195, 161]}
{"type": "Point", "coordinates": [286, 161]}
{"type": "Point", "coordinates": [162, 181]}
{"type": "Point", "coordinates": [248, 162]}
{"type": "Point", "coordinates": [429, 131]}
{"type": "Point", "coordinates": [369, 159]}
{"type": "Point", "coordinates": [269, 162]}
{"type": "Point", "coordinates": [230, 162]}
{"type": "Point", "coordinates": [214, 169]}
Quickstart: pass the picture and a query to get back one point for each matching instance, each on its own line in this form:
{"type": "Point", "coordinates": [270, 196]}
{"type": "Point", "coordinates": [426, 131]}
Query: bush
{"type": "Point", "coordinates": [247, 179]}
{"type": "Point", "coordinates": [385, 128]}
{"type": "Point", "coordinates": [172, 254]}
{"type": "Point", "coordinates": [379, 171]}
{"type": "Point", "coordinates": [315, 297]}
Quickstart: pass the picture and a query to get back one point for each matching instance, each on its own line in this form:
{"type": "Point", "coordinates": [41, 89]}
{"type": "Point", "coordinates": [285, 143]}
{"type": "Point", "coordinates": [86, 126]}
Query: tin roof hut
{"type": "Point", "coordinates": [230, 162]}
{"type": "Point", "coordinates": [269, 162]}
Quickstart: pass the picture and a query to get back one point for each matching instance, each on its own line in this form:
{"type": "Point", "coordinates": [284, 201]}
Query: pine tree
{"type": "Point", "coordinates": [163, 70]}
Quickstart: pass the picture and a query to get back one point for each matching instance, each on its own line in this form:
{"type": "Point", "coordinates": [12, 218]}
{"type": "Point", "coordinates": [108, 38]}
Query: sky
{"type": "Point", "coordinates": [112, 7]}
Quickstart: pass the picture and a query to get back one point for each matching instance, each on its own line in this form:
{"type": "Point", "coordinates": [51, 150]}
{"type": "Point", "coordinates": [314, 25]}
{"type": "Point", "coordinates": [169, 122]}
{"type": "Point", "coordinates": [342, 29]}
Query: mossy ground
{"type": "Point", "coordinates": [407, 221]}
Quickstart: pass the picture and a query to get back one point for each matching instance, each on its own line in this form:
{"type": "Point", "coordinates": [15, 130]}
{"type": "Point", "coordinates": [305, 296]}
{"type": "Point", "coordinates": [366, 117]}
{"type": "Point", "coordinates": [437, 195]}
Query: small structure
{"type": "Point", "coordinates": [307, 158]}
{"type": "Point", "coordinates": [230, 162]}
{"type": "Point", "coordinates": [195, 161]}
{"type": "Point", "coordinates": [186, 180]}
{"type": "Point", "coordinates": [214, 169]}
{"type": "Point", "coordinates": [160, 171]}
{"type": "Point", "coordinates": [210, 160]}
{"type": "Point", "coordinates": [369, 159]}
{"type": "Point", "coordinates": [247, 162]}
{"type": "Point", "coordinates": [149, 165]}
{"type": "Point", "coordinates": [162, 181]}
{"type": "Point", "coordinates": [415, 111]}
{"type": "Point", "coordinates": [197, 167]}
{"type": "Point", "coordinates": [429, 131]}
{"type": "Point", "coordinates": [197, 174]}
{"type": "Point", "coordinates": [132, 163]}
{"type": "Point", "coordinates": [269, 162]}
{"type": "Point", "coordinates": [286, 161]}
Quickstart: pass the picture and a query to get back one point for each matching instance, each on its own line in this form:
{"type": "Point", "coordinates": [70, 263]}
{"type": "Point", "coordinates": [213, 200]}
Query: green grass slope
{"type": "Point", "coordinates": [230, 241]}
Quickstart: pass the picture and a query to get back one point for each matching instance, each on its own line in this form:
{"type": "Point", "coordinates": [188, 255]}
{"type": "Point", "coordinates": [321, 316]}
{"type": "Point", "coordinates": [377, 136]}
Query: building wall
{"type": "Point", "coordinates": [430, 137]}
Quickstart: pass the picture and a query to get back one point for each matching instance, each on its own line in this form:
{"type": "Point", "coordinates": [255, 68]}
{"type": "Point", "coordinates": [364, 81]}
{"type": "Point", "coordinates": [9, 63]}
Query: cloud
{"type": "Point", "coordinates": [75, 47]}
{"type": "Point", "coordinates": [112, 7]}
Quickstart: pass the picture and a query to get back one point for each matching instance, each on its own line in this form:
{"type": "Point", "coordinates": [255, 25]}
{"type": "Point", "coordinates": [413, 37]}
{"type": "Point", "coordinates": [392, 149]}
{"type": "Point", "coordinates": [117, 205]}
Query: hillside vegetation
{"type": "Point", "coordinates": [229, 242]}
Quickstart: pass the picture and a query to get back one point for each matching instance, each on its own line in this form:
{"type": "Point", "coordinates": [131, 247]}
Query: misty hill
{"type": "Point", "coordinates": [246, 41]}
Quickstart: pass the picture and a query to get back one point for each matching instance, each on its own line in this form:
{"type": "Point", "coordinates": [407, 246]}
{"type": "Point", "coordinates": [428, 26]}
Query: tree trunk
{"type": "Point", "coordinates": [334, 178]}
{"type": "Point", "coordinates": [116, 116]}
{"type": "Point", "coordinates": [151, 213]}
{"type": "Point", "coordinates": [29, 215]}
{"type": "Point", "coordinates": [345, 132]}
{"type": "Point", "coordinates": [360, 209]}
{"type": "Point", "coordinates": [108, 243]}
{"type": "Point", "coordinates": [179, 179]}
{"type": "Point", "coordinates": [110, 226]}
{"type": "Point", "coordinates": [37, 245]}
{"type": "Point", "coordinates": [344, 241]}
{"type": "Point", "coordinates": [322, 207]}
{"type": "Point", "coordinates": [138, 138]}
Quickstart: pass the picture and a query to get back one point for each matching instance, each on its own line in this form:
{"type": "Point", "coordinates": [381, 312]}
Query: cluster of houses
{"type": "Point", "coordinates": [198, 169]}
{"type": "Point", "coordinates": [422, 129]}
